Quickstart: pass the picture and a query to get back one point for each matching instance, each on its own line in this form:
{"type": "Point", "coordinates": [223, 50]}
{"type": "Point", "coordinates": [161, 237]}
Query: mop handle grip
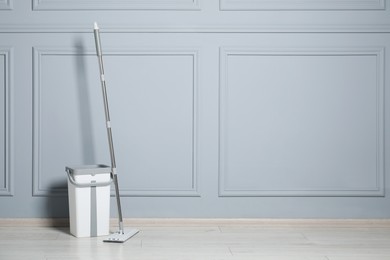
{"type": "Point", "coordinates": [97, 39]}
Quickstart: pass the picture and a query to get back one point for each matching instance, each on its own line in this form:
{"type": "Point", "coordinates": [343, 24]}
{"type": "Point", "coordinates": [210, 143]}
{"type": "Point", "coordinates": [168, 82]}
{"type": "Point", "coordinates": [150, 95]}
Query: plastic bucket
{"type": "Point", "coordinates": [89, 200]}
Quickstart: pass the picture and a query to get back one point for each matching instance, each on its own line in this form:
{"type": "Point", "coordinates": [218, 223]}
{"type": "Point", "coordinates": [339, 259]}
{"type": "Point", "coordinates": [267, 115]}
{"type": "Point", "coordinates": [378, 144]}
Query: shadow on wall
{"type": "Point", "coordinates": [57, 207]}
{"type": "Point", "coordinates": [84, 104]}
{"type": "Point", "coordinates": [57, 204]}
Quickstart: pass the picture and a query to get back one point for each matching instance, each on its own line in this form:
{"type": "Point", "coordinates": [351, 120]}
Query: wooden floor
{"type": "Point", "coordinates": [206, 239]}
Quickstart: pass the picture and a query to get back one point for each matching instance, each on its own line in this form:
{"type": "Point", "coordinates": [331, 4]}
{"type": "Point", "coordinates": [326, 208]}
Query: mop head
{"type": "Point", "coordinates": [121, 237]}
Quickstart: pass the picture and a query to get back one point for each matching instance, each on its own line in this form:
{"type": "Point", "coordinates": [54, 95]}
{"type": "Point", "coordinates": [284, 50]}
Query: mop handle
{"type": "Point", "coordinates": [105, 99]}
{"type": "Point", "coordinates": [108, 124]}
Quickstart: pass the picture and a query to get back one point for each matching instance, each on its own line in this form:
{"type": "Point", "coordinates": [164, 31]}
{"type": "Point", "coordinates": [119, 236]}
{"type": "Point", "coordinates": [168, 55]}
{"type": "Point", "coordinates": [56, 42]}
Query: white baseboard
{"type": "Point", "coordinates": [185, 222]}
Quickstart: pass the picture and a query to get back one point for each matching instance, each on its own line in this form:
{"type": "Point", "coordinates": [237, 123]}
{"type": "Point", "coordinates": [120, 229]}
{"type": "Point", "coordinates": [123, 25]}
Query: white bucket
{"type": "Point", "coordinates": [89, 200]}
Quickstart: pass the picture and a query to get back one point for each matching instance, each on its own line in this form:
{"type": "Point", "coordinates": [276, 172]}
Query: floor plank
{"type": "Point", "coordinates": [209, 242]}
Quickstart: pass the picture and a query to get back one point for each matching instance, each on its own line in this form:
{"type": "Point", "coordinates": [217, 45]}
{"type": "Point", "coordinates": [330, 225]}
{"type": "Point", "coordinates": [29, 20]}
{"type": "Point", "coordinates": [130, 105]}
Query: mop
{"type": "Point", "coordinates": [121, 235]}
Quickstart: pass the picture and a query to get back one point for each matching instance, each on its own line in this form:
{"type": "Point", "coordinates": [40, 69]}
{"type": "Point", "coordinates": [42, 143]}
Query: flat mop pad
{"type": "Point", "coordinates": [120, 237]}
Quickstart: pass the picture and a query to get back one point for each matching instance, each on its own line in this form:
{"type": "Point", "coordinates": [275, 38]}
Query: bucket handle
{"type": "Point", "coordinates": [72, 180]}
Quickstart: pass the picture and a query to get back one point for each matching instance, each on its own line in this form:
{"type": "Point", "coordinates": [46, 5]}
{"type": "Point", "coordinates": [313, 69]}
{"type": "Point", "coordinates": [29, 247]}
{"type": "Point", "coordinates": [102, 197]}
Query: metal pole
{"type": "Point", "coordinates": [108, 126]}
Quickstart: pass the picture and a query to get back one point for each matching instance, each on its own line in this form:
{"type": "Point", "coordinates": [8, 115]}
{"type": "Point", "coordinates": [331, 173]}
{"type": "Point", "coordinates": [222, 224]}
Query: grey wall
{"type": "Point", "coordinates": [219, 108]}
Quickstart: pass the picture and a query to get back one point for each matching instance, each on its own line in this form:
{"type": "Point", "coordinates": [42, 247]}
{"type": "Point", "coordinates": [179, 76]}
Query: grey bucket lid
{"type": "Point", "coordinates": [88, 169]}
